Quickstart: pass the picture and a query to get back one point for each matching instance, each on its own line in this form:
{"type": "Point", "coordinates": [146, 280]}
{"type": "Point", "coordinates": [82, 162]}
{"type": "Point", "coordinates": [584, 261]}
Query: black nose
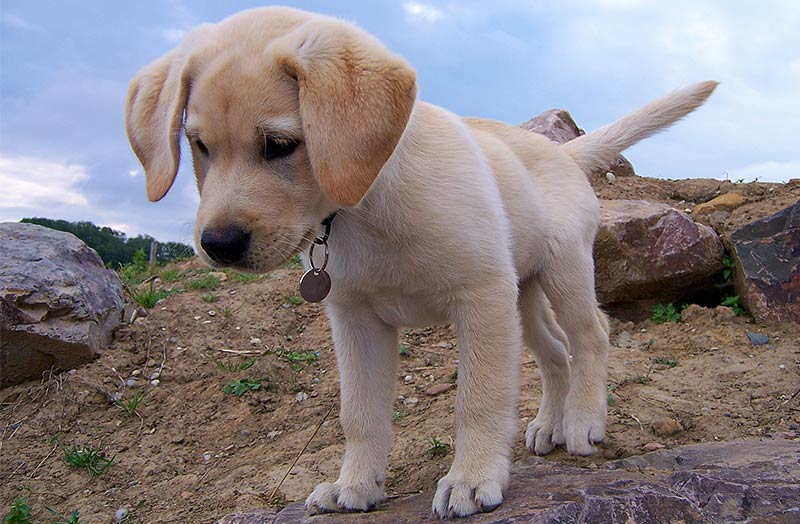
{"type": "Point", "coordinates": [225, 245]}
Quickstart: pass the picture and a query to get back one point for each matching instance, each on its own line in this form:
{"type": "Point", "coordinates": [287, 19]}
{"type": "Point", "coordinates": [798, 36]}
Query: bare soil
{"type": "Point", "coordinates": [194, 453]}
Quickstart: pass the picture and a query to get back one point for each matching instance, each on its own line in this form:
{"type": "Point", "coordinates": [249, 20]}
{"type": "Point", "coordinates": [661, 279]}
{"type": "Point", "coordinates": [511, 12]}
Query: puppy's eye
{"type": "Point", "coordinates": [278, 147]}
{"type": "Point", "coordinates": [202, 147]}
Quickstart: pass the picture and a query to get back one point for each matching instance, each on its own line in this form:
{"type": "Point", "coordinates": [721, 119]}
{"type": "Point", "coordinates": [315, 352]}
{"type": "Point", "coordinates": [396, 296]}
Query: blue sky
{"type": "Point", "coordinates": [64, 69]}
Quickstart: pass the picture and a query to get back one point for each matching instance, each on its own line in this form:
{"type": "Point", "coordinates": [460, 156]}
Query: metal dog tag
{"type": "Point", "coordinates": [315, 285]}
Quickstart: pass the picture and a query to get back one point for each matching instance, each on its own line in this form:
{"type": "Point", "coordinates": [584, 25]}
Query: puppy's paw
{"type": "Point", "coordinates": [544, 434]}
{"type": "Point", "coordinates": [583, 429]}
{"type": "Point", "coordinates": [335, 497]}
{"type": "Point", "coordinates": [461, 496]}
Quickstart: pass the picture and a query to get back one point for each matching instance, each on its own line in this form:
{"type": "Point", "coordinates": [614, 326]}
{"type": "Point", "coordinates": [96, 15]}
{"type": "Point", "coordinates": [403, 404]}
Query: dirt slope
{"type": "Point", "coordinates": [193, 453]}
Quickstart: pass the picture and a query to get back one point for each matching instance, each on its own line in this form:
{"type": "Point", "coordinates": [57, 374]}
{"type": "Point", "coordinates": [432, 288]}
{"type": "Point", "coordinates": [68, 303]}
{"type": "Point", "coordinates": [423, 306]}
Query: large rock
{"type": "Point", "coordinates": [742, 481]}
{"type": "Point", "coordinates": [767, 257]}
{"type": "Point", "coordinates": [558, 126]}
{"type": "Point", "coordinates": [58, 303]}
{"type": "Point", "coordinates": [651, 250]}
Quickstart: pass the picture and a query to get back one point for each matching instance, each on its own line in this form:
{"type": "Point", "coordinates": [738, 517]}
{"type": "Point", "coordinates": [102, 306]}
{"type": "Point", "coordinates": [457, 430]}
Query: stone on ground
{"type": "Point", "coordinates": [58, 303]}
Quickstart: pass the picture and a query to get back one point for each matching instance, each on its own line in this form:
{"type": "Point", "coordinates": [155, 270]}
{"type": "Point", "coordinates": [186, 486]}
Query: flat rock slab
{"type": "Point", "coordinates": [647, 250]}
{"type": "Point", "coordinates": [755, 481]}
{"type": "Point", "coordinates": [58, 303]}
{"type": "Point", "coordinates": [767, 258]}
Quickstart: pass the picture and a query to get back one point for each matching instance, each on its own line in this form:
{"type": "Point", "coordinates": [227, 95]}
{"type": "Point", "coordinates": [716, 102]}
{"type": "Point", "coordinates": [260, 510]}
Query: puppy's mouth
{"type": "Point", "coordinates": [259, 255]}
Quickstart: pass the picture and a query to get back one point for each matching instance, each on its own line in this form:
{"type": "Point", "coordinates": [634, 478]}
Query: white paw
{"type": "Point", "coordinates": [583, 428]}
{"type": "Point", "coordinates": [334, 497]}
{"type": "Point", "coordinates": [461, 496]}
{"type": "Point", "coordinates": [544, 434]}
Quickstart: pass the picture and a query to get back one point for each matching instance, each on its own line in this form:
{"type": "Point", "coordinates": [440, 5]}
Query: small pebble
{"type": "Point", "coordinates": [301, 397]}
{"type": "Point", "coordinates": [136, 372]}
{"type": "Point", "coordinates": [155, 382]}
{"type": "Point", "coordinates": [154, 376]}
{"type": "Point", "coordinates": [315, 380]}
{"type": "Point", "coordinates": [611, 176]}
{"type": "Point", "coordinates": [757, 339]}
{"type": "Point", "coordinates": [782, 366]}
{"type": "Point", "coordinates": [273, 434]}
{"type": "Point", "coordinates": [212, 313]}
{"type": "Point", "coordinates": [207, 456]}
{"type": "Point", "coordinates": [131, 383]}
{"type": "Point", "coordinates": [206, 322]}
{"type": "Point", "coordinates": [411, 402]}
{"type": "Point", "coordinates": [255, 341]}
{"type": "Point", "coordinates": [667, 427]}
{"type": "Point", "coordinates": [654, 446]}
{"type": "Point", "coordinates": [121, 514]}
{"type": "Point", "coordinates": [408, 378]}
{"type": "Point", "coordinates": [198, 317]}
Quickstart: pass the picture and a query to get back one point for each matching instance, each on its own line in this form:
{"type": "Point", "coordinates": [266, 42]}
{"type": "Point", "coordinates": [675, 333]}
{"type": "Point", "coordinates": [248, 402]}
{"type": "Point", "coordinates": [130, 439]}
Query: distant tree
{"type": "Point", "coordinates": [113, 246]}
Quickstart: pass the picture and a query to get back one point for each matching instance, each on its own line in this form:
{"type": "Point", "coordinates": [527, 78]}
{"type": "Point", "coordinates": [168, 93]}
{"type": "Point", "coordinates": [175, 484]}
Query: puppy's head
{"type": "Point", "coordinates": [289, 116]}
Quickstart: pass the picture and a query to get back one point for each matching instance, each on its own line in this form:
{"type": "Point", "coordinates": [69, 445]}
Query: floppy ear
{"type": "Point", "coordinates": [153, 119]}
{"type": "Point", "coordinates": [355, 101]}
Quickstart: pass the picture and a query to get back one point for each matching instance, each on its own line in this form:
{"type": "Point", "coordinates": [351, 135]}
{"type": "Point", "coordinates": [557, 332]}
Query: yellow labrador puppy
{"type": "Point", "coordinates": [293, 116]}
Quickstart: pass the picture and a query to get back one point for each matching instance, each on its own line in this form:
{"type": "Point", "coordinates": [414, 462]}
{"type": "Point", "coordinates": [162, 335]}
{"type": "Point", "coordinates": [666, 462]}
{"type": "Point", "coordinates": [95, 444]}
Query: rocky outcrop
{"type": "Point", "coordinates": [558, 126]}
{"type": "Point", "coordinates": [743, 481]}
{"type": "Point", "coordinates": [58, 303]}
{"type": "Point", "coordinates": [651, 250]}
{"type": "Point", "coordinates": [766, 255]}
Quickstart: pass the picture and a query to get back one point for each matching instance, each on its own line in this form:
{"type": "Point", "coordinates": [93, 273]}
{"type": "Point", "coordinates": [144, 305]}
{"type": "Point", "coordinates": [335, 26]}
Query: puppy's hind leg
{"type": "Point", "coordinates": [568, 281]}
{"type": "Point", "coordinates": [367, 358]}
{"type": "Point", "coordinates": [549, 345]}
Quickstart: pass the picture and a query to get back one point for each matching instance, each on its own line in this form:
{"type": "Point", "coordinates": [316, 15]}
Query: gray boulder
{"type": "Point", "coordinates": [650, 250]}
{"type": "Point", "coordinates": [558, 126]}
{"type": "Point", "coordinates": [58, 303]}
{"type": "Point", "coordinates": [742, 481]}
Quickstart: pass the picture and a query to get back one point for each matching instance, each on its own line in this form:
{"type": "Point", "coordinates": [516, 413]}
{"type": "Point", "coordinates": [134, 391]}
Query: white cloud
{"type": "Point", "coordinates": [35, 183]}
{"type": "Point", "coordinates": [770, 171]}
{"type": "Point", "coordinates": [424, 12]}
{"type": "Point", "coordinates": [134, 173]}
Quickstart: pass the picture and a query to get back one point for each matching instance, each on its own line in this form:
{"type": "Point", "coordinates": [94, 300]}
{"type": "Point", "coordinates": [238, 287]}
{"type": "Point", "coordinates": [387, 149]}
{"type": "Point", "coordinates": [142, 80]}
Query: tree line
{"type": "Point", "coordinates": [113, 246]}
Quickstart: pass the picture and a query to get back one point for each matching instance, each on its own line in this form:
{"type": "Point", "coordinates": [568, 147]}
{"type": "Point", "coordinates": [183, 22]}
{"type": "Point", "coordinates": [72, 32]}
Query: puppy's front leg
{"type": "Point", "coordinates": [488, 376]}
{"type": "Point", "coordinates": [367, 357]}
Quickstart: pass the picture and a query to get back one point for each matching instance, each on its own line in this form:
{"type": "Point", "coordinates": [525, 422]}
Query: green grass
{"type": "Point", "coordinates": [728, 267]}
{"type": "Point", "coordinates": [131, 405]}
{"type": "Point", "coordinates": [663, 313]}
{"type": "Point", "coordinates": [397, 415]}
{"type": "Point", "coordinates": [294, 262]}
{"type": "Point", "coordinates": [89, 458]}
{"type": "Point", "coordinates": [204, 282]}
{"type": "Point", "coordinates": [170, 275]}
{"type": "Point", "coordinates": [296, 358]}
{"type": "Point", "coordinates": [405, 350]}
{"type": "Point", "coordinates": [669, 362]}
{"type": "Point", "coordinates": [648, 345]}
{"type": "Point", "coordinates": [19, 512]}
{"type": "Point", "coordinates": [733, 303]}
{"type": "Point", "coordinates": [209, 297]}
{"type": "Point", "coordinates": [231, 365]}
{"type": "Point", "coordinates": [241, 386]}
{"type": "Point", "coordinates": [438, 448]}
{"type": "Point", "coordinates": [72, 518]}
{"type": "Point", "coordinates": [149, 297]}
{"type": "Point", "coordinates": [293, 300]}
{"type": "Point", "coordinates": [243, 277]}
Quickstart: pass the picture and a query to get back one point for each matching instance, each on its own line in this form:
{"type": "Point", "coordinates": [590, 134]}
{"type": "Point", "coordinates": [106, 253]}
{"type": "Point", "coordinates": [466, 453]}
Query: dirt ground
{"type": "Point", "coordinates": [193, 453]}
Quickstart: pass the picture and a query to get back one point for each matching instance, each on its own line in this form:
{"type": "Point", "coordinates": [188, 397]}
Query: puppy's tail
{"type": "Point", "coordinates": [598, 149]}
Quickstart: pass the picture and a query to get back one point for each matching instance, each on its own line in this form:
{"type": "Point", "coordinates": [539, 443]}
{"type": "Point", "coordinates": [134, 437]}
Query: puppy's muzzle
{"type": "Point", "coordinates": [225, 245]}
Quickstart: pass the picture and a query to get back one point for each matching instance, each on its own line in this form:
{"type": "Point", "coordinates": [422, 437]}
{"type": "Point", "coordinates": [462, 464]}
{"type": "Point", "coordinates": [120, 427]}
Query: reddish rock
{"type": "Point", "coordinates": [767, 257]}
{"type": "Point", "coordinates": [438, 389]}
{"type": "Point", "coordinates": [651, 250]}
{"type": "Point", "coordinates": [666, 427]}
{"type": "Point", "coordinates": [558, 126]}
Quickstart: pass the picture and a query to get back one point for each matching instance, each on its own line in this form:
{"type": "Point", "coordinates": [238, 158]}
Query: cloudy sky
{"type": "Point", "coordinates": [64, 69]}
